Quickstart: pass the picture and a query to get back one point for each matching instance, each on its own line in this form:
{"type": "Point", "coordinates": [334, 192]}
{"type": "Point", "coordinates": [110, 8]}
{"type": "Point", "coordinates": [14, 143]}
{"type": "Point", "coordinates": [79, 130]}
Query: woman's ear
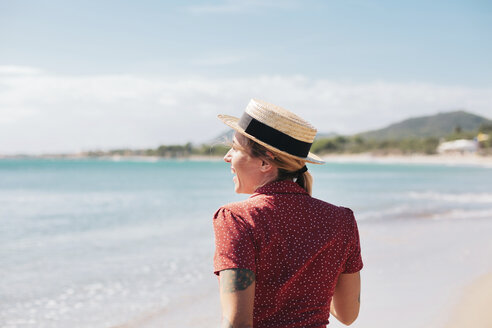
{"type": "Point", "coordinates": [266, 166]}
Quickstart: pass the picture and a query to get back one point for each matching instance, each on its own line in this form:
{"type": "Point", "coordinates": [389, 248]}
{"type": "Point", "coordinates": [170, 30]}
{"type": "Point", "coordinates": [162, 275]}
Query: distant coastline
{"type": "Point", "coordinates": [467, 139]}
{"type": "Point", "coordinates": [115, 158]}
{"type": "Point", "coordinates": [435, 159]}
{"type": "Point", "coordinates": [438, 159]}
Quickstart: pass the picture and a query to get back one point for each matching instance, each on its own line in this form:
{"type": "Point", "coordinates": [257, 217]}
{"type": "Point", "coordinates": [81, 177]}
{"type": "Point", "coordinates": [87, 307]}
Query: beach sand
{"type": "Point", "coordinates": [450, 159]}
{"type": "Point", "coordinates": [473, 308]}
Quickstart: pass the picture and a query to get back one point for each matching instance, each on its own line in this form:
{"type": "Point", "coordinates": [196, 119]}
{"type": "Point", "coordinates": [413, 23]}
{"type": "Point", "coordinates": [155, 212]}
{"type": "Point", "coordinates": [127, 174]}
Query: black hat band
{"type": "Point", "coordinates": [273, 137]}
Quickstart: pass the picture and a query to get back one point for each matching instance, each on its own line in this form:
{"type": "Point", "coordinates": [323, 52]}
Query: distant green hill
{"type": "Point", "coordinates": [439, 125]}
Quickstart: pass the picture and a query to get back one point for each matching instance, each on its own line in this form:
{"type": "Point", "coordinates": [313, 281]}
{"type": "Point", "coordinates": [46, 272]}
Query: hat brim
{"type": "Point", "coordinates": [232, 122]}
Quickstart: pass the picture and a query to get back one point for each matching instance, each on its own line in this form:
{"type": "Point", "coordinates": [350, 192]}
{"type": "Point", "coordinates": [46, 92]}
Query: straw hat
{"type": "Point", "coordinates": [276, 129]}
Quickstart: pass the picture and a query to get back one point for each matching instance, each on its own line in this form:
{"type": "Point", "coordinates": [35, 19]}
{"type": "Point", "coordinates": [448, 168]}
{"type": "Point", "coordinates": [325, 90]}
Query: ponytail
{"type": "Point", "coordinates": [289, 168]}
{"type": "Point", "coordinates": [305, 180]}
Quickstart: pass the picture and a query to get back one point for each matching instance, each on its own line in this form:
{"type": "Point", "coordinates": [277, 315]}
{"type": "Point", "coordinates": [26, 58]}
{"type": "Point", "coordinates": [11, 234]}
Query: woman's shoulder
{"type": "Point", "coordinates": [254, 208]}
{"type": "Point", "coordinates": [334, 211]}
{"type": "Point", "coordinates": [243, 208]}
{"type": "Point", "coordinates": [342, 210]}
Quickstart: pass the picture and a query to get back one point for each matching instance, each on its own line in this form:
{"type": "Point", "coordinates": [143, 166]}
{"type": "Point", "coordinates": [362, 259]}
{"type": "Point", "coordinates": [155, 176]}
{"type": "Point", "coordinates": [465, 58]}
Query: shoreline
{"type": "Point", "coordinates": [115, 158]}
{"type": "Point", "coordinates": [459, 299]}
{"type": "Point", "coordinates": [449, 160]}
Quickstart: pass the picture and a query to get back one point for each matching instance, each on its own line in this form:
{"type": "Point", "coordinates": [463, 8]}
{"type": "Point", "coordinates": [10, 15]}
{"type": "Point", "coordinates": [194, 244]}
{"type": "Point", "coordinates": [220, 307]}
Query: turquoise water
{"type": "Point", "coordinates": [94, 243]}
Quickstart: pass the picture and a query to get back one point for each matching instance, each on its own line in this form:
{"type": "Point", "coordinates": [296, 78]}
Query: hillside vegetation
{"type": "Point", "coordinates": [415, 135]}
{"type": "Point", "coordinates": [436, 126]}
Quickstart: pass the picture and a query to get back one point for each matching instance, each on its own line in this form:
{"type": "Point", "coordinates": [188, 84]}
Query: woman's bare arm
{"type": "Point", "coordinates": [345, 303]}
{"type": "Point", "coordinates": [237, 295]}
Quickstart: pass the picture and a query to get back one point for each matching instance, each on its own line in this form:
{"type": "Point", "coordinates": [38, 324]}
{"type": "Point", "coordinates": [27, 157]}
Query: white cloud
{"type": "Point", "coordinates": [52, 113]}
{"type": "Point", "coordinates": [18, 70]}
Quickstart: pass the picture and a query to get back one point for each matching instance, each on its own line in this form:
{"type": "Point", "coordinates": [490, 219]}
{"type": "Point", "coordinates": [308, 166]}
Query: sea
{"type": "Point", "coordinates": [129, 242]}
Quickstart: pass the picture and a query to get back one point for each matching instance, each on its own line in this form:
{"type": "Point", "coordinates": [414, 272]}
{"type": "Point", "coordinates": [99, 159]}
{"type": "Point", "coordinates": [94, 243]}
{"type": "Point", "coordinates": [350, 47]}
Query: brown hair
{"type": "Point", "coordinates": [287, 166]}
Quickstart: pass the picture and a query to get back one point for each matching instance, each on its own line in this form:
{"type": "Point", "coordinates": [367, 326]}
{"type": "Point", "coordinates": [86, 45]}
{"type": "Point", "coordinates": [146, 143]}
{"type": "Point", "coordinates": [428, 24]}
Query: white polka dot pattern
{"type": "Point", "coordinates": [296, 245]}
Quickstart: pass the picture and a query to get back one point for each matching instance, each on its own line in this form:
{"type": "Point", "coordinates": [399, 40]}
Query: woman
{"type": "Point", "coordinates": [284, 258]}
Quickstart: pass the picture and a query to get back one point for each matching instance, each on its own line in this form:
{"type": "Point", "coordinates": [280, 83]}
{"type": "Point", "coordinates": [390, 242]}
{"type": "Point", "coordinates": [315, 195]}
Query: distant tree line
{"type": "Point", "coordinates": [487, 144]}
{"type": "Point", "coordinates": [167, 151]}
{"type": "Point", "coordinates": [356, 144]}
{"type": "Point", "coordinates": [175, 151]}
{"type": "Point", "coordinates": [333, 145]}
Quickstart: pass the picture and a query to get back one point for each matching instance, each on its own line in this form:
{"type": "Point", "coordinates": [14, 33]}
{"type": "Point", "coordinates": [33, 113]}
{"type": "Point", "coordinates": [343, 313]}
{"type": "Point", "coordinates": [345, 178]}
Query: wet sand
{"type": "Point", "coordinates": [473, 307]}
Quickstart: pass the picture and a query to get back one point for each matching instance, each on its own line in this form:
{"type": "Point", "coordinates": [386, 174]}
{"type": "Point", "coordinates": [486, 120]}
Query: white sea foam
{"type": "Point", "coordinates": [462, 214]}
{"type": "Point", "coordinates": [427, 211]}
{"type": "Point", "coordinates": [80, 302]}
{"type": "Point", "coordinates": [476, 198]}
{"type": "Point", "coordinates": [397, 211]}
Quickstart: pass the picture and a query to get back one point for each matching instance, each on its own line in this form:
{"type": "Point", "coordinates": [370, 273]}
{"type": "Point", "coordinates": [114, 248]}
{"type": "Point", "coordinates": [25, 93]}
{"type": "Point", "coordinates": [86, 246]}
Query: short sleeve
{"type": "Point", "coordinates": [354, 259]}
{"type": "Point", "coordinates": [234, 245]}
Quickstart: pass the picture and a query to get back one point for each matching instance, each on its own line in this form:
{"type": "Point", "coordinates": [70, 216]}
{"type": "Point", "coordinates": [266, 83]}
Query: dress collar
{"type": "Point", "coordinates": [280, 187]}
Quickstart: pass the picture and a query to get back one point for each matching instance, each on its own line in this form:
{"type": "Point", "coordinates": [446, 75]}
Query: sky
{"type": "Point", "coordinates": [100, 75]}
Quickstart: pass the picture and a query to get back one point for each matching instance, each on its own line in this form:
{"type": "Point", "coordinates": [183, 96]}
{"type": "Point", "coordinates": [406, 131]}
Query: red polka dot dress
{"type": "Point", "coordinates": [296, 245]}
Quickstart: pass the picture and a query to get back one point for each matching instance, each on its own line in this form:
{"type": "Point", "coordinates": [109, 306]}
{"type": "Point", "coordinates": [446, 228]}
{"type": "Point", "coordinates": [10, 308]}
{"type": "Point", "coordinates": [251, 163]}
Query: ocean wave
{"type": "Point", "coordinates": [398, 211]}
{"type": "Point", "coordinates": [463, 214]}
{"type": "Point", "coordinates": [408, 211]}
{"type": "Point", "coordinates": [477, 198]}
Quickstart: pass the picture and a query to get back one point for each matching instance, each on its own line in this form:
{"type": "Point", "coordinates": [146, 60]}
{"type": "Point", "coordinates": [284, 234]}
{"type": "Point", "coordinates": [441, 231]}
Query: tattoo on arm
{"type": "Point", "coordinates": [227, 324]}
{"type": "Point", "coordinates": [233, 280]}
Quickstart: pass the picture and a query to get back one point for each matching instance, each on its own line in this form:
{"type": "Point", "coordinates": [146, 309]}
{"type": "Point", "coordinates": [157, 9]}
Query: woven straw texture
{"type": "Point", "coordinates": [282, 120]}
